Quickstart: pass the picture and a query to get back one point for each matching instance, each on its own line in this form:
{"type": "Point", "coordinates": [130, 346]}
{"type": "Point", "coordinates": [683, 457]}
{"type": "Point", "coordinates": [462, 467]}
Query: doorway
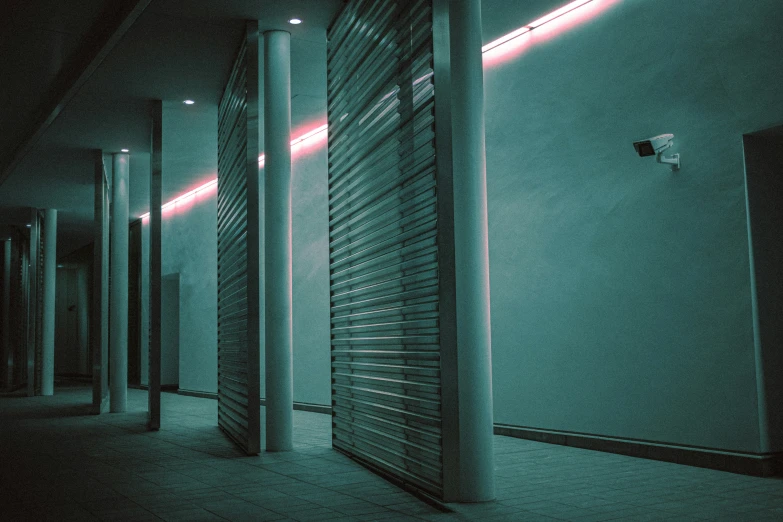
{"type": "Point", "coordinates": [169, 346]}
{"type": "Point", "coordinates": [72, 309]}
{"type": "Point", "coordinates": [764, 186]}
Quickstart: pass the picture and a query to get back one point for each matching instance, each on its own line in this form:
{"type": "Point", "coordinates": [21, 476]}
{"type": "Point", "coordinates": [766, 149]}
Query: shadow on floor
{"type": "Point", "coordinates": [49, 412]}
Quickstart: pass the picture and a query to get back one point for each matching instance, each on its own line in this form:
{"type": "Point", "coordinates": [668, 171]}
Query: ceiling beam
{"type": "Point", "coordinates": [95, 47]}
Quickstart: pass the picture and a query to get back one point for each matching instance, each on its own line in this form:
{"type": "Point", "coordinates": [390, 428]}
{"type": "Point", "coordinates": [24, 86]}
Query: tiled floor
{"type": "Point", "coordinates": [59, 463]}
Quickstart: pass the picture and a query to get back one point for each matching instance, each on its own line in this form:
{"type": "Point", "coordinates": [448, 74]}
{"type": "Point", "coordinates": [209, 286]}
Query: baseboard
{"type": "Point", "coordinates": [79, 377]}
{"type": "Point", "coordinates": [199, 394]}
{"type": "Point", "coordinates": [315, 408]}
{"type": "Point", "coordinates": [301, 406]}
{"type": "Point", "coordinates": [760, 465]}
{"type": "Point", "coordinates": [174, 388]}
{"type": "Point", "coordinates": [306, 406]}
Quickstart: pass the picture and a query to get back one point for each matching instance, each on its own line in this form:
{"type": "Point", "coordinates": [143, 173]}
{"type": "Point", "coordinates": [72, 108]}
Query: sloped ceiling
{"type": "Point", "coordinates": [175, 50]}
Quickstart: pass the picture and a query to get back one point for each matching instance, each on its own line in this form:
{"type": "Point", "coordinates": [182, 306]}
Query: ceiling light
{"type": "Point", "coordinates": [124, 150]}
{"type": "Point", "coordinates": [188, 102]}
{"type": "Point", "coordinates": [294, 21]}
{"type": "Point", "coordinates": [28, 225]}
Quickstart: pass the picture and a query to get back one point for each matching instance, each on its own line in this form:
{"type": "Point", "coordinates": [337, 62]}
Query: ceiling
{"type": "Point", "coordinates": [173, 50]}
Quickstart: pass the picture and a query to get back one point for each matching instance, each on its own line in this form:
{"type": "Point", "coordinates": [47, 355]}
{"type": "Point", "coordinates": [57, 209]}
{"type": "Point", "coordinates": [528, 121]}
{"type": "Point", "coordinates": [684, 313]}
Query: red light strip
{"type": "Point", "coordinates": [186, 195]}
{"type": "Point", "coordinates": [532, 25]}
{"type": "Point", "coordinates": [506, 38]}
{"type": "Point", "coordinates": [576, 4]}
{"type": "Point", "coordinates": [213, 182]}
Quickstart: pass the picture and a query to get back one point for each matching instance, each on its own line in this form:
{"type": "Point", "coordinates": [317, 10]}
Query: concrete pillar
{"type": "Point", "coordinates": [155, 264]}
{"type": "Point", "coordinates": [31, 277]}
{"type": "Point", "coordinates": [118, 329]}
{"type": "Point", "coordinates": [49, 286]}
{"type": "Point", "coordinates": [99, 324]}
{"type": "Point", "coordinates": [5, 319]}
{"type": "Point", "coordinates": [278, 259]}
{"type": "Point", "coordinates": [474, 454]}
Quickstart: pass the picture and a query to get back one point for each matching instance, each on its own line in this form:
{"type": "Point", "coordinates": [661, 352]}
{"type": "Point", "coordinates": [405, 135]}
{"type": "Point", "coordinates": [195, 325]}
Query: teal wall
{"type": "Point", "coordinates": [621, 297]}
{"type": "Point", "coordinates": [73, 304]}
{"type": "Point", "coordinates": [312, 360]}
{"type": "Point", "coordinates": [621, 302]}
{"type": "Point", "coordinates": [190, 249]}
{"type": "Point", "coordinates": [189, 237]}
{"type": "Point", "coordinates": [70, 352]}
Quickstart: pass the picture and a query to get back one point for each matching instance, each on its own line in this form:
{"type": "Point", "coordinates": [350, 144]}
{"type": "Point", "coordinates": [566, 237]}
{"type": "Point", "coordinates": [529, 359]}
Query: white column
{"type": "Point", "coordinates": [32, 276]}
{"type": "Point", "coordinates": [471, 250]}
{"type": "Point", "coordinates": [5, 320]}
{"type": "Point", "coordinates": [99, 324]}
{"type": "Point", "coordinates": [118, 328]}
{"type": "Point", "coordinates": [155, 264]}
{"type": "Point", "coordinates": [49, 285]}
{"type": "Point", "coordinates": [278, 271]}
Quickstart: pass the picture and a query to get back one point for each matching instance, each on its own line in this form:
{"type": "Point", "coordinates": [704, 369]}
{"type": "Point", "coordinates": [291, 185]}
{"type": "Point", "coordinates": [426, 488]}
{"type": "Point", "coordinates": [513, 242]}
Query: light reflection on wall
{"type": "Point", "coordinates": [501, 50]}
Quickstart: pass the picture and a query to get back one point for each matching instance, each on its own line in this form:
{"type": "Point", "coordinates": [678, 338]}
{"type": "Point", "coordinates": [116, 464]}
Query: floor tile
{"type": "Point", "coordinates": [61, 464]}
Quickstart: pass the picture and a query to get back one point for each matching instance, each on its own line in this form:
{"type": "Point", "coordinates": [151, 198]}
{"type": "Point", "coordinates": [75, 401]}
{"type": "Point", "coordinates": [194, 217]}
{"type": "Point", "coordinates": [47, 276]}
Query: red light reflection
{"type": "Point", "coordinates": [505, 48]}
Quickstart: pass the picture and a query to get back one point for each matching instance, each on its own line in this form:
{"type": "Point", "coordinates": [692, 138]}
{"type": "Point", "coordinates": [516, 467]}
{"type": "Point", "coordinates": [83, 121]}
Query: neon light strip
{"type": "Point", "coordinates": [311, 134]}
{"type": "Point", "coordinates": [185, 196]}
{"type": "Point", "coordinates": [208, 184]}
{"type": "Point", "coordinates": [506, 38]}
{"type": "Point", "coordinates": [532, 25]}
{"type": "Point", "coordinates": [323, 128]}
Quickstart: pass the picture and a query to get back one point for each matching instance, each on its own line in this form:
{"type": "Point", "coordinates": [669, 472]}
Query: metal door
{"type": "Point", "coordinates": [386, 368]}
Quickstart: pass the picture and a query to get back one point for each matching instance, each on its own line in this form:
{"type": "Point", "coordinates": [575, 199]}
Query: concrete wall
{"type": "Point", "coordinates": [170, 330]}
{"type": "Point", "coordinates": [190, 249]}
{"type": "Point", "coordinates": [73, 296]}
{"type": "Point", "coordinates": [312, 359]}
{"type": "Point", "coordinates": [66, 323]}
{"type": "Point", "coordinates": [189, 238]}
{"type": "Point", "coordinates": [621, 298]}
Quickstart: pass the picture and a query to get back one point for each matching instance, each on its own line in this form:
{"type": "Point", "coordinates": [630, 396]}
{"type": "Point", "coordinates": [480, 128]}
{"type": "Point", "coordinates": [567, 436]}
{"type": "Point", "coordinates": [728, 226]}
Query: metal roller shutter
{"type": "Point", "coordinates": [39, 305]}
{"type": "Point", "coordinates": [19, 309]}
{"type": "Point", "coordinates": [33, 304]}
{"type": "Point", "coordinates": [238, 409]}
{"type": "Point", "coordinates": [385, 334]}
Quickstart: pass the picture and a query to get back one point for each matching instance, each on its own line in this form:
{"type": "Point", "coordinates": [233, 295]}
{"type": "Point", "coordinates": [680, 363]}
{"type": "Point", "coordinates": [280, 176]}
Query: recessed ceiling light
{"type": "Point", "coordinates": [28, 225]}
{"type": "Point", "coordinates": [124, 150]}
{"type": "Point", "coordinates": [295, 21]}
{"type": "Point", "coordinates": [188, 102]}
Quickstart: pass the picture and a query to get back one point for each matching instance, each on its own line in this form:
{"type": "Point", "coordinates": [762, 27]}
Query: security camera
{"type": "Point", "coordinates": [655, 147]}
{"type": "Point", "coordinates": [652, 146]}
